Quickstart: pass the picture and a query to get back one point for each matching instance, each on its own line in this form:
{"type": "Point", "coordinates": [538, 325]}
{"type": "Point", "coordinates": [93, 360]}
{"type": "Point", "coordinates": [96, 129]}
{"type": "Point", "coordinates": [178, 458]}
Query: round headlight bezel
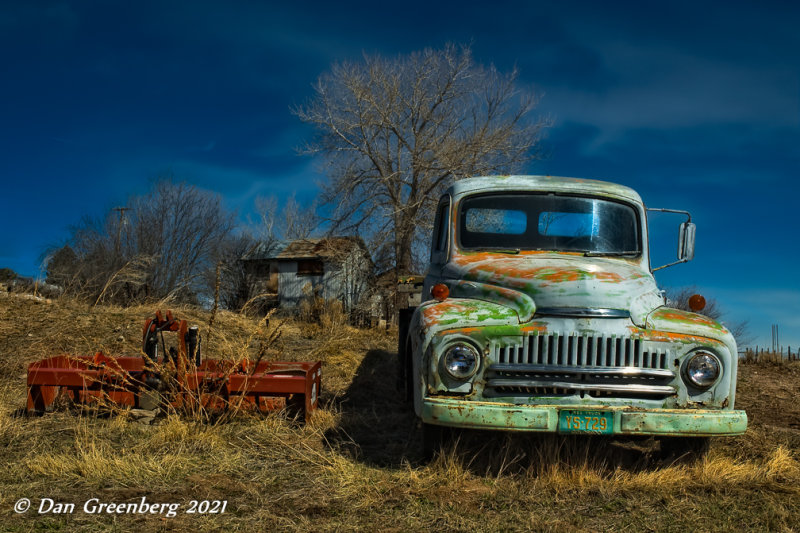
{"type": "Point", "coordinates": [455, 354]}
{"type": "Point", "coordinates": [690, 375]}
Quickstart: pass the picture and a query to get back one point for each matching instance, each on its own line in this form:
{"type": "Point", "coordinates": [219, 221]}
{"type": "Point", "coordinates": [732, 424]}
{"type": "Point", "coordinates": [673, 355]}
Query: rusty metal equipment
{"type": "Point", "coordinates": [178, 377]}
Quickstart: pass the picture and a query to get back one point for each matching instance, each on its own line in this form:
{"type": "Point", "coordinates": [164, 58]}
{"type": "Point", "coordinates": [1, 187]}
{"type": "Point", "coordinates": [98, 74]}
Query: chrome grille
{"type": "Point", "coordinates": [584, 365]}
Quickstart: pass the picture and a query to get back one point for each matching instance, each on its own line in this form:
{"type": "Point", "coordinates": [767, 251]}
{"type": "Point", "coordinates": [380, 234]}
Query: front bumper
{"type": "Point", "coordinates": [544, 418]}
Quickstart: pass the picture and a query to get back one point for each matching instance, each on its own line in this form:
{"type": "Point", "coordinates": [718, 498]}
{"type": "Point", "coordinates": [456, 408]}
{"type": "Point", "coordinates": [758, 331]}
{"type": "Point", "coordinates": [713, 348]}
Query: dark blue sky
{"type": "Point", "coordinates": [694, 104]}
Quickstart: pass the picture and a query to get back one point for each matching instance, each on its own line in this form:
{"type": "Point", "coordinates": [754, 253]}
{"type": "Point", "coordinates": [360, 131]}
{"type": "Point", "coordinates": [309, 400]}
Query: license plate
{"type": "Point", "coordinates": [599, 422]}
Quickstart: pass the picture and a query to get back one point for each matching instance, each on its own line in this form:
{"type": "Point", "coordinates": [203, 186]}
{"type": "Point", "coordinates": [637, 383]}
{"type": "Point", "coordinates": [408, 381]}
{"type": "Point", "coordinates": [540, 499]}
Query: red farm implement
{"type": "Point", "coordinates": [177, 377]}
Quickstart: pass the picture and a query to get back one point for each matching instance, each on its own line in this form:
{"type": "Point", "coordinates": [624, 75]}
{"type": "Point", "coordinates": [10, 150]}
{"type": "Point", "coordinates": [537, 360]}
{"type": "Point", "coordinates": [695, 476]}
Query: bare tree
{"type": "Point", "coordinates": [293, 221]}
{"type": "Point", "coordinates": [182, 226]}
{"type": "Point", "coordinates": [395, 132]}
{"type": "Point", "coordinates": [91, 265]}
{"type": "Point", "coordinates": [267, 227]}
{"type": "Point", "coordinates": [160, 247]}
{"type": "Point", "coordinates": [300, 222]}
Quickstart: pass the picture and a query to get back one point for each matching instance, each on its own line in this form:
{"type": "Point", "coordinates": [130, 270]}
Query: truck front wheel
{"type": "Point", "coordinates": [434, 439]}
{"type": "Point", "coordinates": [404, 379]}
{"type": "Point", "coordinates": [684, 448]}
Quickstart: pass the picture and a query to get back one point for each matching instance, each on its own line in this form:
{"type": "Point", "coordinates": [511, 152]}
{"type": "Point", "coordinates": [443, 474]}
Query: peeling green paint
{"type": "Point", "coordinates": [520, 302]}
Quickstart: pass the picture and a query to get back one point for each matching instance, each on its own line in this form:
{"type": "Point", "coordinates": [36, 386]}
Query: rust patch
{"type": "Point", "coordinates": [540, 327]}
{"type": "Point", "coordinates": [486, 265]}
{"type": "Point", "coordinates": [677, 315]}
{"type": "Point", "coordinates": [465, 331]}
{"type": "Point", "coordinates": [668, 336]}
{"type": "Point", "coordinates": [560, 275]}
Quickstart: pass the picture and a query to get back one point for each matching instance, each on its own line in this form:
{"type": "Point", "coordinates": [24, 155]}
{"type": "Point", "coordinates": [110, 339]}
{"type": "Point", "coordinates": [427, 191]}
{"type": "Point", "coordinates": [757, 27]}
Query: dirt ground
{"type": "Point", "coordinates": [770, 393]}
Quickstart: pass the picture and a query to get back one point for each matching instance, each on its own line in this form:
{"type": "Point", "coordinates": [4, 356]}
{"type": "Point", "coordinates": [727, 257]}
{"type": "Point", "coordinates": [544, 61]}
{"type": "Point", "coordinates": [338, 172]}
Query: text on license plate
{"type": "Point", "coordinates": [570, 421]}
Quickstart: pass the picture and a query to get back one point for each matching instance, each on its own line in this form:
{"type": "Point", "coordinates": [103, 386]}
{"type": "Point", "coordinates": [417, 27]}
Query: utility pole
{"type": "Point", "coordinates": [775, 338]}
{"type": "Point", "coordinates": [121, 211]}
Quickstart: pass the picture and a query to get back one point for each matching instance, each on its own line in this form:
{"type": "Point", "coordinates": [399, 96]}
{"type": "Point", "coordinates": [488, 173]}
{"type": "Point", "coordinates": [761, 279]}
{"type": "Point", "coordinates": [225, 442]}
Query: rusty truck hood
{"type": "Point", "coordinates": [527, 282]}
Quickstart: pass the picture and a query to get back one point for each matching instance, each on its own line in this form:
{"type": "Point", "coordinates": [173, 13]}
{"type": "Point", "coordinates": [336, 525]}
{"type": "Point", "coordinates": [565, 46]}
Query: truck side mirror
{"type": "Point", "coordinates": [685, 238]}
{"type": "Point", "coordinates": [686, 241]}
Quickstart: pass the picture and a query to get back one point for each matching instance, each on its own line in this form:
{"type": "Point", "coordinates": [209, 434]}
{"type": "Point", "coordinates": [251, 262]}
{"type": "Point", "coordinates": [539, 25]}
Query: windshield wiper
{"type": "Point", "coordinates": [597, 254]}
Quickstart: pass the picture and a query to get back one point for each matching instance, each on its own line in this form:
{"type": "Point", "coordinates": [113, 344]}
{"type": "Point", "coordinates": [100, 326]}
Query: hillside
{"type": "Point", "coordinates": [356, 464]}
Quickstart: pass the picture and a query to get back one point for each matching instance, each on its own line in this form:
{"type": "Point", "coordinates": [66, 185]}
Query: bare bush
{"type": "Point", "coordinates": [319, 313]}
{"type": "Point", "coordinates": [235, 285]}
{"type": "Point", "coordinates": [158, 247]}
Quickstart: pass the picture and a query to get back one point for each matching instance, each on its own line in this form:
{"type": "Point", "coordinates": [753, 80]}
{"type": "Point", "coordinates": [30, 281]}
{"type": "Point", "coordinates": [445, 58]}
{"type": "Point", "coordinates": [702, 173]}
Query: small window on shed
{"type": "Point", "coordinates": [310, 267]}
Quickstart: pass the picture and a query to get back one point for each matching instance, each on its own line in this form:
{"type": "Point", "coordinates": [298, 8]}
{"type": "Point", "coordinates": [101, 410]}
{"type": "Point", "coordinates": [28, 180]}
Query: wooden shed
{"type": "Point", "coordinates": [335, 268]}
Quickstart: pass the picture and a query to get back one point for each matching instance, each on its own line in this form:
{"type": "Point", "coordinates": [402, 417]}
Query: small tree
{"type": "Point", "coordinates": [292, 221]}
{"type": "Point", "coordinates": [395, 132]}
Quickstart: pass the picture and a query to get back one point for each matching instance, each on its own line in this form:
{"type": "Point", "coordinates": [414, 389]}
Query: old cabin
{"type": "Point", "coordinates": [335, 268]}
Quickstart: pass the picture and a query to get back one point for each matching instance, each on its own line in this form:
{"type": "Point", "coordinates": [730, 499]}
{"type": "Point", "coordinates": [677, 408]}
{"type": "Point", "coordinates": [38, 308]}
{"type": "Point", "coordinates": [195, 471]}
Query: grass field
{"type": "Point", "coordinates": [356, 464]}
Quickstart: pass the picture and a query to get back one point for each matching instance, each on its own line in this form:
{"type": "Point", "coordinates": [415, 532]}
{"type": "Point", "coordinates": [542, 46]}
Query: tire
{"type": "Point", "coordinates": [434, 440]}
{"type": "Point", "coordinates": [408, 382]}
{"type": "Point", "coordinates": [684, 448]}
{"type": "Point", "coordinates": [405, 383]}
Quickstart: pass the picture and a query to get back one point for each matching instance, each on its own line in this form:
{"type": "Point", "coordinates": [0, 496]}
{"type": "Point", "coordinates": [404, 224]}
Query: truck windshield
{"type": "Point", "coordinates": [536, 221]}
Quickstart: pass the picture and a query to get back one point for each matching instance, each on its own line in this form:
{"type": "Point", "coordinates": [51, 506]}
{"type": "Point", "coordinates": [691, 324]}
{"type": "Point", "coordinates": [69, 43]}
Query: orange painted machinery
{"type": "Point", "coordinates": [176, 377]}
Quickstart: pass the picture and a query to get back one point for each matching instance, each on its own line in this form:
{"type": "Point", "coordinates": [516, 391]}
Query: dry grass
{"type": "Point", "coordinates": [356, 465]}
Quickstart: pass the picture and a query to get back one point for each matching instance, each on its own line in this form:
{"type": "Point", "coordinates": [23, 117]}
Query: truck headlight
{"type": "Point", "coordinates": [702, 369]}
{"type": "Point", "coordinates": [461, 361]}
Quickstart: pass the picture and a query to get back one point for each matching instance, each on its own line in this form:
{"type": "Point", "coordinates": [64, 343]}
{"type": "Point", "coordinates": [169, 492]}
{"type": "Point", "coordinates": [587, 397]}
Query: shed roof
{"type": "Point", "coordinates": [329, 248]}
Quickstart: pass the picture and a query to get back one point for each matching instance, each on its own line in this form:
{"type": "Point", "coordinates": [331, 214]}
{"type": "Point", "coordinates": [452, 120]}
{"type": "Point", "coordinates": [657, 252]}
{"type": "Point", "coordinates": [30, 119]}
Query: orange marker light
{"type": "Point", "coordinates": [697, 303]}
{"type": "Point", "coordinates": [440, 292]}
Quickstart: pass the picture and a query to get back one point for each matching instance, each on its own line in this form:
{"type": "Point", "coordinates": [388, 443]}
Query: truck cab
{"type": "Point", "coordinates": [541, 314]}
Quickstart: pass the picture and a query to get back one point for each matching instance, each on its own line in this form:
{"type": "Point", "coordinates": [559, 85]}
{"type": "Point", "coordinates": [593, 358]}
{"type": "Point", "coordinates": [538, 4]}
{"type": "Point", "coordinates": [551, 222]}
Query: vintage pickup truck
{"type": "Point", "coordinates": [541, 313]}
